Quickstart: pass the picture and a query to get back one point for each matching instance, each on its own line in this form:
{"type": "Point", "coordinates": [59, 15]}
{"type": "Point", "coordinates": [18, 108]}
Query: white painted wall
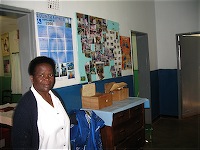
{"type": "Point", "coordinates": [160, 20]}
{"type": "Point", "coordinates": [131, 15]}
{"type": "Point", "coordinates": [173, 17]}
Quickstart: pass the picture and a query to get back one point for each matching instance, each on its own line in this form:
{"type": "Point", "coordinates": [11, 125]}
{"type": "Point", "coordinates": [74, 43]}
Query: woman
{"type": "Point", "coordinates": [40, 120]}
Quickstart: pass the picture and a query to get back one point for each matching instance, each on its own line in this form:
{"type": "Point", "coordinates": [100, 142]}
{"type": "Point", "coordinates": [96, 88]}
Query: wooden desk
{"type": "Point", "coordinates": [6, 117]}
{"type": "Point", "coordinates": [124, 122]}
{"type": "Point", "coordinates": [106, 114]}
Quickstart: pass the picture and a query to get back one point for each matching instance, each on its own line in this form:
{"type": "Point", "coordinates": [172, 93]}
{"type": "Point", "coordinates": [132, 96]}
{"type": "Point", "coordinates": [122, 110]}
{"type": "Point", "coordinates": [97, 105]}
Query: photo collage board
{"type": "Point", "coordinates": [99, 50]}
{"type": "Point", "coordinates": [55, 41]}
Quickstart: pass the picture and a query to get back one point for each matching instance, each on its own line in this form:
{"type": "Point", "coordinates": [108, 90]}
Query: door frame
{"type": "Point", "coordinates": [27, 43]}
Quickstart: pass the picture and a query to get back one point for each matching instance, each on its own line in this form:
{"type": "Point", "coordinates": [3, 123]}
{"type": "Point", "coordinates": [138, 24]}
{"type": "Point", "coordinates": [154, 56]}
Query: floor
{"type": "Point", "coordinates": [170, 133]}
{"type": "Point", "coordinates": [173, 134]}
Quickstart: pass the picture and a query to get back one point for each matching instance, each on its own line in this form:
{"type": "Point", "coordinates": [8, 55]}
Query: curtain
{"type": "Point", "coordinates": [16, 74]}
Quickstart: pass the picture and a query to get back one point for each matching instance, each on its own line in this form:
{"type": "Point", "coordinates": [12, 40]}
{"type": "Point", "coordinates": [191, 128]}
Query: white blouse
{"type": "Point", "coordinates": [53, 123]}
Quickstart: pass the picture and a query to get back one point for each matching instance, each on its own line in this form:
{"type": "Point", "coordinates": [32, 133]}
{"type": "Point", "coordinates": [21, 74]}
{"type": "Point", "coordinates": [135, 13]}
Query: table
{"type": "Point", "coordinates": [6, 117]}
{"type": "Point", "coordinates": [124, 122]}
{"type": "Point", "coordinates": [106, 114]}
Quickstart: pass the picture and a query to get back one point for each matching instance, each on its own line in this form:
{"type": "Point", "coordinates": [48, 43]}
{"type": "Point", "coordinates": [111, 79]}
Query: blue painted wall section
{"type": "Point", "coordinates": [71, 95]}
{"type": "Point", "coordinates": [155, 102]}
{"type": "Point", "coordinates": [168, 92]}
{"type": "Point", "coordinates": [164, 93]}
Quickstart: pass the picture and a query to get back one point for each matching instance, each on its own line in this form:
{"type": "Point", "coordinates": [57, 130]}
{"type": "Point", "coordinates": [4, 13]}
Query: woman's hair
{"type": "Point", "coordinates": [40, 60]}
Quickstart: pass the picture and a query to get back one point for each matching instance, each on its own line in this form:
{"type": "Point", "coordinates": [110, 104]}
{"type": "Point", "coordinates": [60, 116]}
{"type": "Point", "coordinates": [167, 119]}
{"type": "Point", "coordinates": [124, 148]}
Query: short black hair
{"type": "Point", "coordinates": [39, 60]}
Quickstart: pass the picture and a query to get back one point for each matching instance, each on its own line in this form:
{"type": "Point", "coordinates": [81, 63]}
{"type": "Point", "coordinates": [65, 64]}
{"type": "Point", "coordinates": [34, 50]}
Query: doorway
{"type": "Point", "coordinates": [141, 69]}
{"type": "Point", "coordinates": [27, 46]}
{"type": "Point", "coordinates": [188, 61]}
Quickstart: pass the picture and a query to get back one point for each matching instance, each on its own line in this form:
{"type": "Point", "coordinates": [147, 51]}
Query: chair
{"type": "Point", "coordinates": [6, 96]}
{"type": "Point", "coordinates": [5, 131]}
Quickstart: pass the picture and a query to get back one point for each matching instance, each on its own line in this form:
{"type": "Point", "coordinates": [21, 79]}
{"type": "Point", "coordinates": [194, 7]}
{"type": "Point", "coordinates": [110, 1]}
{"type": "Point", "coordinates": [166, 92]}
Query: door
{"type": "Point", "coordinates": [188, 75]}
{"type": "Point", "coordinates": [27, 47]}
{"type": "Point", "coordinates": [144, 72]}
{"type": "Point", "coordinates": [142, 69]}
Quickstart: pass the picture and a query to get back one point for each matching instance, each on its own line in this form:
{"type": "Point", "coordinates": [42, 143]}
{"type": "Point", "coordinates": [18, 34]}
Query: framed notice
{"type": "Point", "coordinates": [6, 66]}
{"type": "Point", "coordinates": [5, 44]}
{"type": "Point", "coordinates": [126, 52]}
{"type": "Point", "coordinates": [55, 41]}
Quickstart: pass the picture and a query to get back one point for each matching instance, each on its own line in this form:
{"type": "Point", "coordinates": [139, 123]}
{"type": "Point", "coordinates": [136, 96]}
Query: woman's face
{"type": "Point", "coordinates": [43, 79]}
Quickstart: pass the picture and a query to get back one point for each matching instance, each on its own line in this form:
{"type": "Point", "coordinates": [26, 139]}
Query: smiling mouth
{"type": "Point", "coordinates": [47, 85]}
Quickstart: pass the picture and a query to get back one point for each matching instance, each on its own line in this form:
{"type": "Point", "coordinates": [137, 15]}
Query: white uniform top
{"type": "Point", "coordinates": [53, 123]}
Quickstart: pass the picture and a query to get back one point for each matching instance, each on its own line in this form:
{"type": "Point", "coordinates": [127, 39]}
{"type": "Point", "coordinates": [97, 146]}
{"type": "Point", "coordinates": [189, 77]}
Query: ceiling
{"type": "Point", "coordinates": [7, 24]}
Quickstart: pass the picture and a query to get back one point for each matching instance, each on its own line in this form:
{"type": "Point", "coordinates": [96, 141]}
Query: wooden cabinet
{"type": "Point", "coordinates": [127, 130]}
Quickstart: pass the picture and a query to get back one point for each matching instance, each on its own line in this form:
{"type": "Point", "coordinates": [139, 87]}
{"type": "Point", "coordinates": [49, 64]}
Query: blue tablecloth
{"type": "Point", "coordinates": [107, 113]}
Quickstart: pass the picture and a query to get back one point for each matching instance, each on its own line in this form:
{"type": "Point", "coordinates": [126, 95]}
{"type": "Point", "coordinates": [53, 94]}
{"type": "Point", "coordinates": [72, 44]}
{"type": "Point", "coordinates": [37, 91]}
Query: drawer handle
{"type": "Point", "coordinates": [106, 100]}
{"type": "Point", "coordinates": [122, 115]}
{"type": "Point", "coordinates": [139, 139]}
{"type": "Point", "coordinates": [121, 131]}
{"type": "Point", "coordinates": [138, 121]}
{"type": "Point", "coordinates": [137, 108]}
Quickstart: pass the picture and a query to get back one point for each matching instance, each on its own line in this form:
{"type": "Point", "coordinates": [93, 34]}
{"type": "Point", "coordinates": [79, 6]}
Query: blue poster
{"type": "Point", "coordinates": [55, 41]}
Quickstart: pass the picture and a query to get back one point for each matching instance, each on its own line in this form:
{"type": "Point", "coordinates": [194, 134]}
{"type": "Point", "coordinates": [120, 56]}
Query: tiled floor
{"type": "Point", "coordinates": [174, 134]}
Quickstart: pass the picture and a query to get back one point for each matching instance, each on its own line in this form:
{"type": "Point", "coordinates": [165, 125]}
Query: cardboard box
{"type": "Point", "coordinates": [119, 91]}
{"type": "Point", "coordinates": [88, 89]}
{"type": "Point", "coordinates": [98, 101]}
{"type": "Point", "coordinates": [118, 95]}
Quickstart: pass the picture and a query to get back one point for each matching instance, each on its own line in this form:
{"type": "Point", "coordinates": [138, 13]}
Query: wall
{"type": "Point", "coordinates": [161, 20]}
{"type": "Point", "coordinates": [131, 15]}
{"type": "Point", "coordinates": [173, 17]}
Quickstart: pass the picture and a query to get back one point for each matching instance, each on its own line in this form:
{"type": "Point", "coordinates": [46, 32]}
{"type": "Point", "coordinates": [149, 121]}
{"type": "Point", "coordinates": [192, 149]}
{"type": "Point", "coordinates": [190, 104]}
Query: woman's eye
{"type": "Point", "coordinates": [51, 75]}
{"type": "Point", "coordinates": [41, 75]}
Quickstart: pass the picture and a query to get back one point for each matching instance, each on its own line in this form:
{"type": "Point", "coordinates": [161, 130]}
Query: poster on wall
{"type": "Point", "coordinates": [55, 41]}
{"type": "Point", "coordinates": [126, 52]}
{"type": "Point", "coordinates": [6, 66]}
{"type": "Point", "coordinates": [5, 44]}
{"type": "Point", "coordinates": [99, 51]}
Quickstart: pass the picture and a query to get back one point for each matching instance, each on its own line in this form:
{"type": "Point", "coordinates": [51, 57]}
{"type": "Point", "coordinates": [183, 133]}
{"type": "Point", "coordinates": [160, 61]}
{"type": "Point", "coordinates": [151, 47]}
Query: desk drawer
{"type": "Point", "coordinates": [125, 129]}
{"type": "Point", "coordinates": [120, 117]}
{"type": "Point", "coordinates": [121, 131]}
{"type": "Point", "coordinates": [135, 141]}
{"type": "Point", "coordinates": [137, 111]}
